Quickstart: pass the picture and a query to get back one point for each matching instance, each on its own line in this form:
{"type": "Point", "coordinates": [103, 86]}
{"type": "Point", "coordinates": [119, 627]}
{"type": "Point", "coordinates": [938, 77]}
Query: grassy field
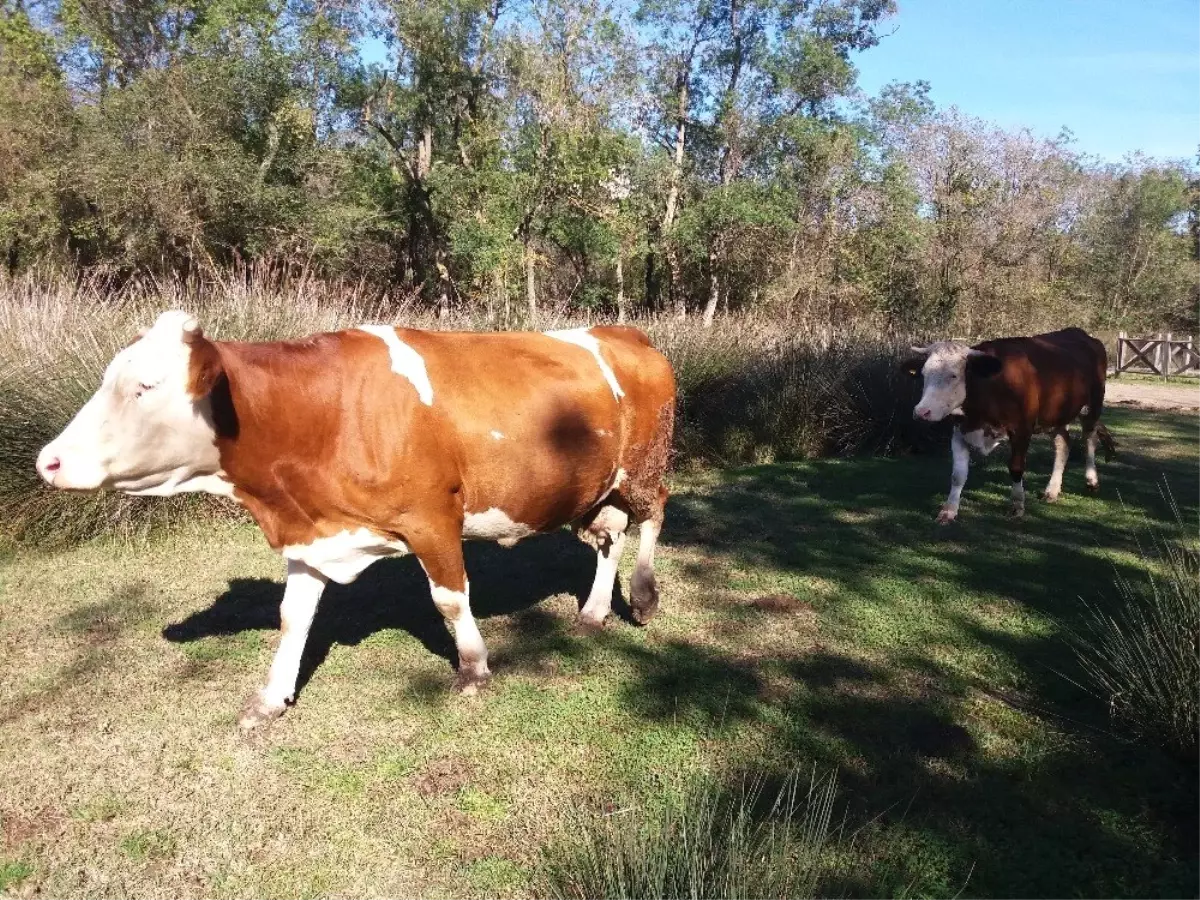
{"type": "Point", "coordinates": [813, 617]}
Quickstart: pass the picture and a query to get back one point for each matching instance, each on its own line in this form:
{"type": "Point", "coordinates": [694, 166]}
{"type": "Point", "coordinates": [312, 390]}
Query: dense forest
{"type": "Point", "coordinates": [687, 156]}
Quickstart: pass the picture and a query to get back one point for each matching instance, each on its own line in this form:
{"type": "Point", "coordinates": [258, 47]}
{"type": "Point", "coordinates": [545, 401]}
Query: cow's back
{"type": "Point", "coordinates": [1046, 381]}
{"type": "Point", "coordinates": [542, 425]}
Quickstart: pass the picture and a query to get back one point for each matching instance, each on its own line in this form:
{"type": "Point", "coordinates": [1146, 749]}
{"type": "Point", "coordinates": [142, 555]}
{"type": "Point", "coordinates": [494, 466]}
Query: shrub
{"type": "Point", "coordinates": [701, 842]}
{"type": "Point", "coordinates": [1144, 658]}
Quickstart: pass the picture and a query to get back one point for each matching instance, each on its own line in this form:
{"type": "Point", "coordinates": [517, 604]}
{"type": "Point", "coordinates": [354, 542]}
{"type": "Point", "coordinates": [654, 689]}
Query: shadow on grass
{"type": "Point", "coordinates": [394, 594]}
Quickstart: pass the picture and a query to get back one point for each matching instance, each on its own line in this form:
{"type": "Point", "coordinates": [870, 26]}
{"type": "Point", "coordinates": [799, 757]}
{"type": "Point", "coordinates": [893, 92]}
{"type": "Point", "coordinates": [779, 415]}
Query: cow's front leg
{"type": "Point", "coordinates": [300, 598]}
{"type": "Point", "coordinates": [958, 476]}
{"type": "Point", "coordinates": [1062, 449]}
{"type": "Point", "coordinates": [1016, 469]}
{"type": "Point", "coordinates": [441, 557]}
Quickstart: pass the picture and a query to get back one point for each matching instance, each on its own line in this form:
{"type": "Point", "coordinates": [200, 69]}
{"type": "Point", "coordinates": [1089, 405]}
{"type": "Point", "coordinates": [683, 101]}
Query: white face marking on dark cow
{"type": "Point", "coordinates": [582, 337]}
{"type": "Point", "coordinates": [343, 556]}
{"type": "Point", "coordinates": [141, 432]}
{"type": "Point", "coordinates": [405, 360]}
{"type": "Point", "coordinates": [945, 375]}
{"type": "Point", "coordinates": [494, 525]}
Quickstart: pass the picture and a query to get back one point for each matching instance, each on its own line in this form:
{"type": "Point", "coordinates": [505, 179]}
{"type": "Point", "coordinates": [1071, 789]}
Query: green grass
{"type": "Point", "coordinates": [1148, 378]}
{"type": "Point", "coordinates": [13, 872]}
{"type": "Point", "coordinates": [813, 616]}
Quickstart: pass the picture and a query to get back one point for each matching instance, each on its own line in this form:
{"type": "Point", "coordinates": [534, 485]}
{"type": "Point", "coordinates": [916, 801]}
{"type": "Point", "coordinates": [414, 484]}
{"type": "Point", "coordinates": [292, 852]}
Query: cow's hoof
{"type": "Point", "coordinates": [1050, 497]}
{"type": "Point", "coordinates": [258, 712]}
{"type": "Point", "coordinates": [643, 602]}
{"type": "Point", "coordinates": [469, 684]}
{"type": "Point", "coordinates": [1017, 512]}
{"type": "Point", "coordinates": [946, 516]}
{"type": "Point", "coordinates": [1093, 486]}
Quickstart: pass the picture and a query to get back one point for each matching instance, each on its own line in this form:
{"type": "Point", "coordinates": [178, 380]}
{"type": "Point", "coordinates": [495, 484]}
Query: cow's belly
{"type": "Point", "coordinates": [518, 484]}
{"type": "Point", "coordinates": [342, 557]}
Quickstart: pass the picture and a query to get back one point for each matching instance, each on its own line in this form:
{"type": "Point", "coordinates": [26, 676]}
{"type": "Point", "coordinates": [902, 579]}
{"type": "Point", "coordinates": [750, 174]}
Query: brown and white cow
{"type": "Point", "coordinates": [380, 441]}
{"type": "Point", "coordinates": [1012, 388]}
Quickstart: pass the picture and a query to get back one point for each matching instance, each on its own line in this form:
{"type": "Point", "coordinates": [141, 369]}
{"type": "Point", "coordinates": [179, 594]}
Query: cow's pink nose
{"type": "Point", "coordinates": [47, 465]}
{"type": "Point", "coordinates": [925, 413]}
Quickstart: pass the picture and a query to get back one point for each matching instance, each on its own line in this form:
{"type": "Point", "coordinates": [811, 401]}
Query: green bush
{"type": "Point", "coordinates": [702, 842]}
{"type": "Point", "coordinates": [1143, 658]}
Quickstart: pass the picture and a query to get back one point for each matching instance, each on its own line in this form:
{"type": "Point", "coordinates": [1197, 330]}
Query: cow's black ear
{"type": "Point", "coordinates": [983, 365]}
{"type": "Point", "coordinates": [913, 365]}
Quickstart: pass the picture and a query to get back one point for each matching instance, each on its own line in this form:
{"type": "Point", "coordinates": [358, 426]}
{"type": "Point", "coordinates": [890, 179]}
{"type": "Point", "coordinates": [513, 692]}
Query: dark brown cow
{"type": "Point", "coordinates": [380, 441]}
{"type": "Point", "coordinates": [1014, 387]}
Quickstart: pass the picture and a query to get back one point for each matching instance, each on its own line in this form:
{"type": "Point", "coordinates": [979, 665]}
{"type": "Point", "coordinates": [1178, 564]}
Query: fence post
{"type": "Point", "coordinates": [1120, 352]}
{"type": "Point", "coordinates": [1166, 356]}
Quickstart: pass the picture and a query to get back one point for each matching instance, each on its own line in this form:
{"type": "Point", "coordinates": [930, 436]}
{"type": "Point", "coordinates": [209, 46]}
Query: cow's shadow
{"type": "Point", "coordinates": [394, 594]}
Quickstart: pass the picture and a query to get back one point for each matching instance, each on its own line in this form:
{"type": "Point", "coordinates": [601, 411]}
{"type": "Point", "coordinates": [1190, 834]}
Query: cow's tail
{"type": "Point", "coordinates": [1106, 438]}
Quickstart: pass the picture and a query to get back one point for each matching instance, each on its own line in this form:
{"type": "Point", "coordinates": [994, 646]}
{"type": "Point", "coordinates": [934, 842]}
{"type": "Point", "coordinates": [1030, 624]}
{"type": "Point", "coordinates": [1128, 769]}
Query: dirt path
{"type": "Point", "coordinates": [1152, 396]}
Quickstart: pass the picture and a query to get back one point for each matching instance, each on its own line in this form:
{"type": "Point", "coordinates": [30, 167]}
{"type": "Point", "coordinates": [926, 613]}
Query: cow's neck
{"type": "Point", "coordinates": [261, 410]}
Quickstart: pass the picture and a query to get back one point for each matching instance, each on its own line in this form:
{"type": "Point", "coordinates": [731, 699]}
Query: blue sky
{"type": "Point", "coordinates": [1123, 75]}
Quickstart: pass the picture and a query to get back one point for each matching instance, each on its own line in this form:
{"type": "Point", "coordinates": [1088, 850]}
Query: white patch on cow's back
{"type": "Point", "coordinates": [405, 360]}
{"type": "Point", "coordinates": [494, 525]}
{"type": "Point", "coordinates": [342, 557]}
{"type": "Point", "coordinates": [582, 337]}
{"type": "Point", "coordinates": [497, 435]}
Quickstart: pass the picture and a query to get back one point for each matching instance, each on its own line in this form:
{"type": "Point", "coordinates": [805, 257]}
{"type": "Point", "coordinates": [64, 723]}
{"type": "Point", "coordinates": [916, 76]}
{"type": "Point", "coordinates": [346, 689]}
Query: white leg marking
{"type": "Point", "coordinates": [609, 525]}
{"type": "Point", "coordinates": [1018, 498]}
{"type": "Point", "coordinates": [1061, 448]}
{"type": "Point", "coordinates": [405, 360]}
{"type": "Point", "coordinates": [455, 607]}
{"type": "Point", "coordinates": [582, 337]}
{"type": "Point", "coordinates": [1093, 479]}
{"type": "Point", "coordinates": [958, 476]}
{"type": "Point", "coordinates": [300, 598]}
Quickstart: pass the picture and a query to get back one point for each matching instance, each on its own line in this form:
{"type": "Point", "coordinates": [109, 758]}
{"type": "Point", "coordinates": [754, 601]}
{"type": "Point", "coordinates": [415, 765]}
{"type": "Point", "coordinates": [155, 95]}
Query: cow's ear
{"type": "Point", "coordinates": [204, 364]}
{"type": "Point", "coordinates": [983, 365]}
{"type": "Point", "coordinates": [913, 366]}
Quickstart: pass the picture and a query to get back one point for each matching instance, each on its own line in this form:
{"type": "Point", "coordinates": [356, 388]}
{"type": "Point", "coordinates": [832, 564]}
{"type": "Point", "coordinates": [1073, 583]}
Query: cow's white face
{"type": "Point", "coordinates": [945, 368]}
{"type": "Point", "coordinates": [142, 432]}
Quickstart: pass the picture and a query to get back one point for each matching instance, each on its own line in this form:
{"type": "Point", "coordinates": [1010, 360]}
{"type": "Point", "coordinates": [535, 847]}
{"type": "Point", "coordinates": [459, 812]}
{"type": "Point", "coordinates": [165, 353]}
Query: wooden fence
{"type": "Point", "coordinates": [1159, 354]}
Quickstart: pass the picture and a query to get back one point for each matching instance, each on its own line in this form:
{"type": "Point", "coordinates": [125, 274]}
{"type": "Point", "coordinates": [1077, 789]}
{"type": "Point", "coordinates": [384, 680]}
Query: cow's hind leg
{"type": "Point", "coordinates": [643, 587]}
{"type": "Point", "coordinates": [605, 530]}
{"type": "Point", "coordinates": [1091, 438]}
{"type": "Point", "coordinates": [440, 554]}
{"type": "Point", "coordinates": [300, 598]}
{"type": "Point", "coordinates": [1062, 447]}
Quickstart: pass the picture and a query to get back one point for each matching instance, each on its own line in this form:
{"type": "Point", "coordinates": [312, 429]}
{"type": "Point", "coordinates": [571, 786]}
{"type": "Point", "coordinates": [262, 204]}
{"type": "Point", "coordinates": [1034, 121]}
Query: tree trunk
{"type": "Point", "coordinates": [714, 286]}
{"type": "Point", "coordinates": [530, 283]}
{"type": "Point", "coordinates": [680, 142]}
{"type": "Point", "coordinates": [620, 288]}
